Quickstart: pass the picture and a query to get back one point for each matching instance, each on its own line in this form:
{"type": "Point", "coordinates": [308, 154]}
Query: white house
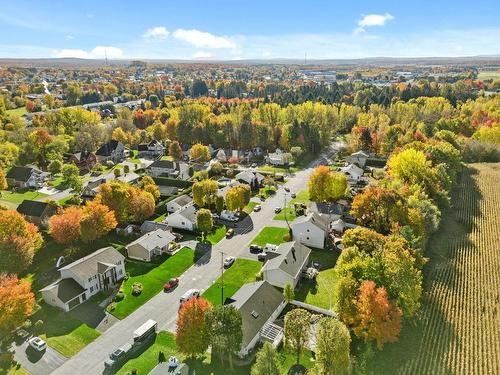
{"type": "Point", "coordinates": [358, 158]}
{"type": "Point", "coordinates": [278, 158]}
{"type": "Point", "coordinates": [311, 230]}
{"type": "Point", "coordinates": [167, 168]}
{"type": "Point", "coordinates": [184, 219]}
{"type": "Point", "coordinates": [260, 304]}
{"type": "Point", "coordinates": [250, 177]}
{"type": "Point", "coordinates": [286, 264]}
{"type": "Point", "coordinates": [353, 173]}
{"type": "Point", "coordinates": [151, 150]}
{"type": "Point", "coordinates": [220, 155]}
{"type": "Point", "coordinates": [85, 277]}
{"type": "Point", "coordinates": [152, 244]}
{"type": "Point", "coordinates": [178, 203]}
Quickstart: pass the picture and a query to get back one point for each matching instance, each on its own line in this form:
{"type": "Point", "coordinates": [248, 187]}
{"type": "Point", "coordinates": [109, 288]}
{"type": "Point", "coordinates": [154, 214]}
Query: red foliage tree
{"type": "Point", "coordinates": [64, 227]}
{"type": "Point", "coordinates": [191, 335]}
{"type": "Point", "coordinates": [16, 303]}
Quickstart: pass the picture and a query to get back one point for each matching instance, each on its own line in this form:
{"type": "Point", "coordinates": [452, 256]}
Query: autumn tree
{"type": "Point", "coordinates": [224, 325]}
{"type": "Point", "coordinates": [364, 239]}
{"type": "Point", "coordinates": [288, 292]}
{"type": "Point", "coordinates": [148, 184]}
{"type": "Point", "coordinates": [332, 347]}
{"type": "Point", "coordinates": [205, 192]}
{"type": "Point", "coordinates": [204, 221]}
{"type": "Point", "coordinates": [325, 185]}
{"type": "Point", "coordinates": [16, 302]}
{"type": "Point", "coordinates": [175, 150]}
{"type": "Point", "coordinates": [97, 220]}
{"type": "Point", "coordinates": [3, 180]}
{"type": "Point", "coordinates": [192, 333]}
{"type": "Point", "coordinates": [238, 197]}
{"type": "Point", "coordinates": [64, 227]}
{"type": "Point", "coordinates": [378, 318]}
{"type": "Point", "coordinates": [267, 361]}
{"type": "Point", "coordinates": [199, 153]}
{"type": "Point", "coordinates": [297, 330]}
{"type": "Point", "coordinates": [19, 241]}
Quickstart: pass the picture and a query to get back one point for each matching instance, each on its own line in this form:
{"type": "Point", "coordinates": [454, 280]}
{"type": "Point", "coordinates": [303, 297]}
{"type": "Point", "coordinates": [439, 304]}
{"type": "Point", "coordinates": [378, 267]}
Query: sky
{"type": "Point", "coordinates": [234, 30]}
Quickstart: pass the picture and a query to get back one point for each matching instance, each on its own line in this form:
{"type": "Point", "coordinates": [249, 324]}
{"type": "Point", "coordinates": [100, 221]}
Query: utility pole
{"type": "Point", "coordinates": [222, 277]}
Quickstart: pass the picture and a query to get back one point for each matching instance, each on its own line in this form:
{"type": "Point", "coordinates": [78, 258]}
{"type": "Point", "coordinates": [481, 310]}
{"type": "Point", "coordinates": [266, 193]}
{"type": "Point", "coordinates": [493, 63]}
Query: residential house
{"type": "Point", "coordinates": [163, 168]}
{"type": "Point", "coordinates": [285, 265]}
{"type": "Point", "coordinates": [152, 244]}
{"type": "Point", "coordinates": [260, 304]}
{"type": "Point", "coordinates": [278, 158]}
{"type": "Point", "coordinates": [332, 211]}
{"type": "Point", "coordinates": [37, 212]}
{"type": "Point", "coordinates": [151, 150]}
{"type": "Point", "coordinates": [353, 173]}
{"type": "Point", "coordinates": [184, 219]}
{"type": "Point", "coordinates": [150, 226]}
{"type": "Point", "coordinates": [25, 177]}
{"type": "Point", "coordinates": [84, 160]}
{"type": "Point", "coordinates": [252, 178]}
{"type": "Point", "coordinates": [85, 277]}
{"type": "Point", "coordinates": [359, 158]}
{"type": "Point", "coordinates": [92, 188]}
{"type": "Point", "coordinates": [112, 151]}
{"type": "Point", "coordinates": [178, 203]}
{"type": "Point", "coordinates": [311, 230]}
{"type": "Point", "coordinates": [220, 155]}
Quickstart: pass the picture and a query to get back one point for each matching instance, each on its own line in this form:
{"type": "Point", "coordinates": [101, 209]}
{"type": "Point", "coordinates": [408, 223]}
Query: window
{"type": "Point", "coordinates": [307, 237]}
{"type": "Point", "coordinates": [90, 279]}
{"type": "Point", "coordinates": [91, 289]}
{"type": "Point", "coordinates": [255, 314]}
{"type": "Point", "coordinates": [308, 231]}
{"type": "Point", "coordinates": [183, 223]}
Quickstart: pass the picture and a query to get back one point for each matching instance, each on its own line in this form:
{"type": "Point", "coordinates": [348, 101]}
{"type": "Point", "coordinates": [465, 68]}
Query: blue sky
{"type": "Point", "coordinates": [248, 29]}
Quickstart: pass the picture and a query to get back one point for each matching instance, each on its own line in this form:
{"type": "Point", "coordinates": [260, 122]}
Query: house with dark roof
{"type": "Point", "coordinates": [185, 218]}
{"type": "Point", "coordinates": [331, 210]}
{"type": "Point", "coordinates": [178, 203]}
{"type": "Point", "coordinates": [84, 278]}
{"type": "Point", "coordinates": [163, 168]}
{"type": "Point", "coordinates": [113, 151]}
{"type": "Point", "coordinates": [311, 230]}
{"type": "Point", "coordinates": [359, 158]}
{"type": "Point", "coordinates": [151, 150]}
{"type": "Point", "coordinates": [24, 177]}
{"type": "Point", "coordinates": [37, 212]}
{"type": "Point", "coordinates": [250, 177]}
{"type": "Point", "coordinates": [84, 160]}
{"type": "Point", "coordinates": [259, 304]}
{"type": "Point", "coordinates": [152, 244]}
{"type": "Point", "coordinates": [285, 265]}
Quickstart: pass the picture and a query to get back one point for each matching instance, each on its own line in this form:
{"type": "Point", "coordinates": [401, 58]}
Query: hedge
{"type": "Point", "coordinates": [168, 181]}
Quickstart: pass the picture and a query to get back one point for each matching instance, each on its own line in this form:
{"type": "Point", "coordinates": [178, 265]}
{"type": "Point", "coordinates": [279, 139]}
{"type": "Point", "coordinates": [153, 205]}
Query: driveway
{"type": "Point", "coordinates": [35, 362]}
{"type": "Point", "coordinates": [163, 307]}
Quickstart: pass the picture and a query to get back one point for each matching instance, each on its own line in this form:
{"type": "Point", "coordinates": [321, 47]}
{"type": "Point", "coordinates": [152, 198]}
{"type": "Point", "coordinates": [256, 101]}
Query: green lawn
{"type": "Point", "coordinates": [483, 75]}
{"type": "Point", "coordinates": [302, 197]}
{"type": "Point", "coordinates": [153, 277]}
{"type": "Point", "coordinates": [321, 293]}
{"type": "Point", "coordinates": [18, 197]}
{"type": "Point", "coordinates": [243, 271]}
{"type": "Point", "coordinates": [217, 235]}
{"type": "Point", "coordinates": [15, 370]}
{"type": "Point", "coordinates": [167, 157]}
{"type": "Point", "coordinates": [250, 206]}
{"type": "Point", "coordinates": [287, 213]}
{"type": "Point", "coordinates": [288, 359]}
{"type": "Point", "coordinates": [57, 183]}
{"type": "Point", "coordinates": [63, 332]}
{"type": "Point", "coordinates": [65, 200]}
{"type": "Point", "coordinates": [271, 169]}
{"type": "Point", "coordinates": [17, 111]}
{"type": "Point", "coordinates": [272, 235]}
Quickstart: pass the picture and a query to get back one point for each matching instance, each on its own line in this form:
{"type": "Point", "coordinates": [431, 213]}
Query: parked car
{"type": "Point", "coordinates": [277, 210]}
{"type": "Point", "coordinates": [230, 233]}
{"type": "Point", "coordinates": [270, 247]}
{"type": "Point", "coordinates": [215, 216]}
{"type": "Point", "coordinates": [254, 165]}
{"type": "Point", "coordinates": [118, 356]}
{"type": "Point", "coordinates": [257, 208]}
{"type": "Point", "coordinates": [255, 249]}
{"type": "Point", "coordinates": [37, 343]}
{"type": "Point", "coordinates": [171, 284]}
{"type": "Point", "coordinates": [293, 195]}
{"type": "Point", "coordinates": [262, 256]}
{"type": "Point", "coordinates": [228, 262]}
{"type": "Point", "coordinates": [287, 189]}
{"type": "Point", "coordinates": [228, 215]}
{"type": "Point", "coordinates": [190, 294]}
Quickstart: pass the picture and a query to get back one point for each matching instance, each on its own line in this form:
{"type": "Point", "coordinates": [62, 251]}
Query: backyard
{"type": "Point", "coordinates": [241, 272]}
{"type": "Point", "coordinates": [152, 276]}
{"type": "Point", "coordinates": [274, 235]}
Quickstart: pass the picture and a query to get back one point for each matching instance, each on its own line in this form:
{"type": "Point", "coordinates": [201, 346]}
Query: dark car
{"type": "Point", "coordinates": [293, 195]}
{"type": "Point", "coordinates": [277, 210]}
{"type": "Point", "coordinates": [171, 284]}
{"type": "Point", "coordinates": [230, 233]}
{"type": "Point", "coordinates": [255, 249]}
{"type": "Point", "coordinates": [262, 257]}
{"type": "Point", "coordinates": [287, 189]}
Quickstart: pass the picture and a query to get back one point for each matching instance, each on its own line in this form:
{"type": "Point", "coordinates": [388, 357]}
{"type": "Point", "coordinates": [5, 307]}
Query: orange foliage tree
{"type": "Point", "coordinates": [16, 303]}
{"type": "Point", "coordinates": [64, 227]}
{"type": "Point", "coordinates": [191, 335]}
{"type": "Point", "coordinates": [97, 220]}
{"type": "Point", "coordinates": [19, 240]}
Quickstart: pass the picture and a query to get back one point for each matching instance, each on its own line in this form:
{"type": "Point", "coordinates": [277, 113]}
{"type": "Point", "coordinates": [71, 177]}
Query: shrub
{"type": "Point", "coordinates": [127, 276]}
{"type": "Point", "coordinates": [27, 324]}
{"type": "Point", "coordinates": [111, 306]}
{"type": "Point", "coordinates": [119, 296]}
{"type": "Point", "coordinates": [287, 237]}
{"type": "Point", "coordinates": [37, 327]}
{"type": "Point", "coordinates": [258, 276]}
{"type": "Point", "coordinates": [137, 289]}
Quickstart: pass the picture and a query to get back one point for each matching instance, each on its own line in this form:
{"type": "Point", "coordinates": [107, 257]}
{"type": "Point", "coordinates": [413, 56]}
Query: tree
{"type": "Point", "coordinates": [325, 185]}
{"type": "Point", "coordinates": [204, 192]}
{"type": "Point", "coordinates": [297, 330]}
{"type": "Point", "coordinates": [16, 302]}
{"type": "Point", "coordinates": [191, 334]}
{"type": "Point", "coordinates": [267, 361]}
{"type": "Point", "coordinates": [332, 347]}
{"type": "Point", "coordinates": [19, 241]}
{"type": "Point", "coordinates": [288, 292]}
{"type": "Point", "coordinates": [219, 203]}
{"type": "Point", "coordinates": [199, 153]}
{"type": "Point", "coordinates": [378, 318]}
{"type": "Point", "coordinates": [97, 220]}
{"type": "Point", "coordinates": [238, 197]}
{"type": "Point", "coordinates": [3, 180]}
{"type": "Point", "coordinates": [175, 150]}
{"type": "Point", "coordinates": [70, 175]}
{"type": "Point", "coordinates": [224, 325]}
{"type": "Point", "coordinates": [9, 153]}
{"type": "Point", "coordinates": [117, 172]}
{"type": "Point", "coordinates": [126, 169]}
{"type": "Point", "coordinates": [55, 166]}
{"type": "Point", "coordinates": [148, 184]}
{"type": "Point", "coordinates": [64, 227]}
{"type": "Point", "coordinates": [204, 221]}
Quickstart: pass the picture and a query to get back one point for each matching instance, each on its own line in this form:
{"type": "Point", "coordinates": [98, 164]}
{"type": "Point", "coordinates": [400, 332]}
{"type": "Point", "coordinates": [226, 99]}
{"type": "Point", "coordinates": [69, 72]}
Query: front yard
{"type": "Point", "coordinates": [216, 235]}
{"type": "Point", "coordinates": [152, 276]}
{"type": "Point", "coordinates": [272, 235]}
{"type": "Point", "coordinates": [241, 272]}
{"type": "Point", "coordinates": [301, 198]}
{"type": "Point", "coordinates": [18, 197]}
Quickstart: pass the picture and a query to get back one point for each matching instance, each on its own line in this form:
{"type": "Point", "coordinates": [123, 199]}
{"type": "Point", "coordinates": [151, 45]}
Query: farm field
{"type": "Point", "coordinates": [489, 74]}
{"type": "Point", "coordinates": [457, 332]}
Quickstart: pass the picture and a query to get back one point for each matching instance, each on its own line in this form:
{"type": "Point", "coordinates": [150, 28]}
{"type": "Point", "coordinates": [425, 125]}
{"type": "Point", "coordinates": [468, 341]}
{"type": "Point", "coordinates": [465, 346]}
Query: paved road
{"type": "Point", "coordinates": [35, 362]}
{"type": "Point", "coordinates": [164, 306]}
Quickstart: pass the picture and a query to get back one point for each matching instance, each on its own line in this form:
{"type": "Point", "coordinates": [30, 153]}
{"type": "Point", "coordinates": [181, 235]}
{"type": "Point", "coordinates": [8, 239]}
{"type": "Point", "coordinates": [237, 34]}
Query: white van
{"type": "Point", "coordinates": [270, 247]}
{"type": "Point", "coordinates": [190, 294]}
{"type": "Point", "coordinates": [228, 215]}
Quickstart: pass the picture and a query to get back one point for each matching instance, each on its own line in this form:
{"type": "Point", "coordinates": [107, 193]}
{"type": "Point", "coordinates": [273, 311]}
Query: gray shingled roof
{"type": "Point", "coordinates": [257, 302]}
{"type": "Point", "coordinates": [20, 173]}
{"type": "Point", "coordinates": [151, 240]}
{"type": "Point", "coordinates": [291, 258]}
{"type": "Point", "coordinates": [326, 208]}
{"type": "Point", "coordinates": [182, 200]}
{"type": "Point", "coordinates": [89, 265]}
{"type": "Point", "coordinates": [35, 208]}
{"type": "Point", "coordinates": [65, 289]}
{"type": "Point", "coordinates": [320, 221]}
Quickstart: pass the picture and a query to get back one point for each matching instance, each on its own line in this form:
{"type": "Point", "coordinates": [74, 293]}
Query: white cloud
{"type": "Point", "coordinates": [203, 39]}
{"type": "Point", "coordinates": [201, 55]}
{"type": "Point", "coordinates": [98, 52]}
{"type": "Point", "coordinates": [70, 37]}
{"type": "Point", "coordinates": [158, 32]}
{"type": "Point", "coordinates": [370, 20]}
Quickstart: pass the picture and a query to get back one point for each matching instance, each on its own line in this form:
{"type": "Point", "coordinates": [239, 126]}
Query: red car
{"type": "Point", "coordinates": [171, 284]}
